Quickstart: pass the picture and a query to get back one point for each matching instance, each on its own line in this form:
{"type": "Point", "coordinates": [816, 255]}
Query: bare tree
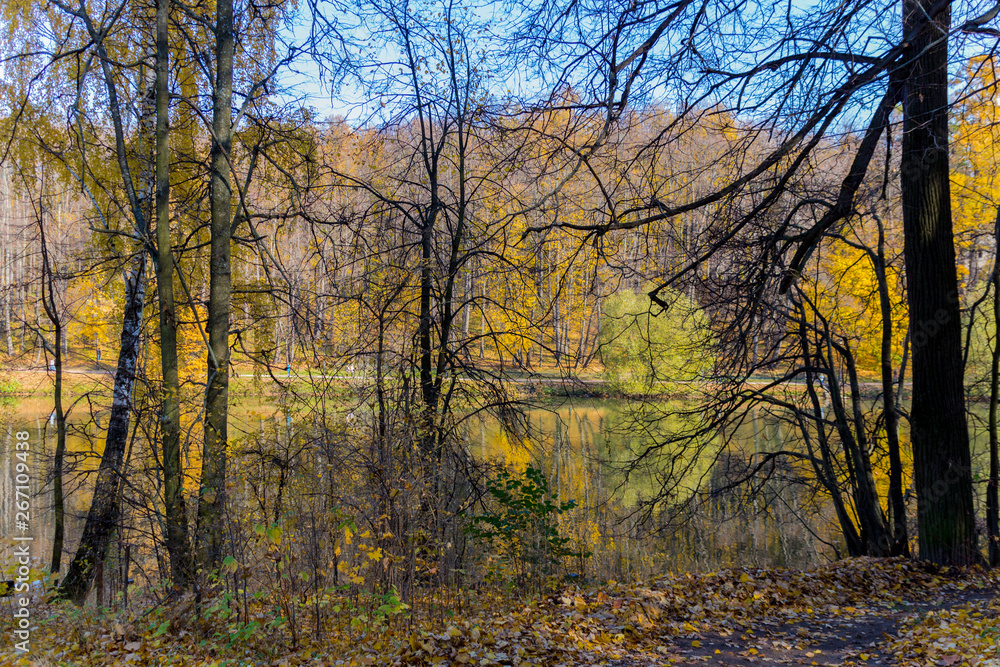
{"type": "Point", "coordinates": [788, 86]}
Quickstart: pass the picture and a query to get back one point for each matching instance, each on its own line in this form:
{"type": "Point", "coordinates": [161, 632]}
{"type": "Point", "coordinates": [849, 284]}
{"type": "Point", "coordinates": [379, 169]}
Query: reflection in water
{"type": "Point", "coordinates": [84, 444]}
{"type": "Point", "coordinates": [580, 447]}
{"type": "Point", "coordinates": [583, 448]}
{"type": "Point", "coordinates": [81, 457]}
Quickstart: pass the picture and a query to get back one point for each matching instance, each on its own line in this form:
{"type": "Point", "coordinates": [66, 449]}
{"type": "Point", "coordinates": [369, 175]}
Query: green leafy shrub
{"type": "Point", "coordinates": [521, 528]}
{"type": "Point", "coordinates": [10, 387]}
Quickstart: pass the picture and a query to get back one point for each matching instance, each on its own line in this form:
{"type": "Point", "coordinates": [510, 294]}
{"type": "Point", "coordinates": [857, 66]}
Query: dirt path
{"type": "Point", "coordinates": [840, 637]}
{"type": "Point", "coordinates": [816, 641]}
{"type": "Point", "coordinates": [852, 636]}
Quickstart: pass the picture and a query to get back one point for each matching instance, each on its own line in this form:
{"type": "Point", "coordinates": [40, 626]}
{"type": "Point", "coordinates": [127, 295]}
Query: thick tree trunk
{"type": "Point", "coordinates": [58, 503]}
{"type": "Point", "coordinates": [941, 459]}
{"type": "Point", "coordinates": [170, 426]}
{"type": "Point", "coordinates": [213, 476]}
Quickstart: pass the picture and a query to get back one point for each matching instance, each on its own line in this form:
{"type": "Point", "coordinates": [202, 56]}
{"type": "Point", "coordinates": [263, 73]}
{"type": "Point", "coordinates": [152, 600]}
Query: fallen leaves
{"type": "Point", "coordinates": [965, 634]}
{"type": "Point", "coordinates": [675, 619]}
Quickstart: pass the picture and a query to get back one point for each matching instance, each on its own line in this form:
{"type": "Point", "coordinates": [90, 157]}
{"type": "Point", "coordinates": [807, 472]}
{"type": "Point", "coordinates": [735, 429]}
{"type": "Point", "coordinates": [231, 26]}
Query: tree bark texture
{"type": "Point", "coordinates": [213, 476]}
{"type": "Point", "coordinates": [942, 468]}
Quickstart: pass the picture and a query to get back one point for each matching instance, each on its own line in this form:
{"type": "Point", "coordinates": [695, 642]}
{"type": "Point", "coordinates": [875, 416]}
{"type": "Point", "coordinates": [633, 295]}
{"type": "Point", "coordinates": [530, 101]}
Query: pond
{"type": "Point", "coordinates": [583, 447]}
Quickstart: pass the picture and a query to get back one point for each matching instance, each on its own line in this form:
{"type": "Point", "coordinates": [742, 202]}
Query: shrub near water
{"type": "Point", "coordinates": [10, 387]}
{"type": "Point", "coordinates": [521, 530]}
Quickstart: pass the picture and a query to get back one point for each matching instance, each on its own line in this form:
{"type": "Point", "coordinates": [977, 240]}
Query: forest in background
{"type": "Point", "coordinates": [789, 219]}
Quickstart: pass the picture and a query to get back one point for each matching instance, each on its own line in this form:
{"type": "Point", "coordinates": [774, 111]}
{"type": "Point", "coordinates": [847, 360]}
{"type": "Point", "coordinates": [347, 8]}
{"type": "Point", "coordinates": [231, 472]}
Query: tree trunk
{"type": "Point", "coordinates": [213, 476]}
{"type": "Point", "coordinates": [8, 269]}
{"type": "Point", "coordinates": [823, 466]}
{"type": "Point", "coordinates": [173, 474]}
{"type": "Point", "coordinates": [468, 296]}
{"type": "Point", "coordinates": [878, 537]}
{"type": "Point", "coordinates": [942, 468]}
{"type": "Point", "coordinates": [428, 386]}
{"type": "Point", "coordinates": [52, 312]}
{"type": "Point", "coordinates": [992, 533]}
{"type": "Point", "coordinates": [103, 515]}
{"type": "Point", "coordinates": [897, 507]}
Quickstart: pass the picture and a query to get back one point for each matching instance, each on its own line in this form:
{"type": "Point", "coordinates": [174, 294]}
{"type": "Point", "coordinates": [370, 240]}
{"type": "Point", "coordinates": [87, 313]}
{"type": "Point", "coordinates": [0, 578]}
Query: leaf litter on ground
{"type": "Point", "coordinates": [860, 611]}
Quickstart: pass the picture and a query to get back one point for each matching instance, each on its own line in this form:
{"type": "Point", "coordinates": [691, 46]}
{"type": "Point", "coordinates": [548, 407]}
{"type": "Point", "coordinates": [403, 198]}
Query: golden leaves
{"type": "Point", "coordinates": [964, 634]}
{"type": "Point", "coordinates": [677, 619]}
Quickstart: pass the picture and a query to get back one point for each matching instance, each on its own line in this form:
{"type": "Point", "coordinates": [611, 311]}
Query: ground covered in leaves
{"type": "Point", "coordinates": [853, 612]}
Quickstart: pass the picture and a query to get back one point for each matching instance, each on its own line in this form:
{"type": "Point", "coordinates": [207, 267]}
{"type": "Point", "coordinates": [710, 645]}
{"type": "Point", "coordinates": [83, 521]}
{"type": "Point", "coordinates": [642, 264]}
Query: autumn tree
{"type": "Point", "coordinates": [177, 539]}
{"type": "Point", "coordinates": [645, 351]}
{"type": "Point", "coordinates": [213, 477]}
{"type": "Point", "coordinates": [102, 518]}
{"type": "Point", "coordinates": [407, 218]}
{"type": "Point", "coordinates": [120, 160]}
{"type": "Point", "coordinates": [788, 98]}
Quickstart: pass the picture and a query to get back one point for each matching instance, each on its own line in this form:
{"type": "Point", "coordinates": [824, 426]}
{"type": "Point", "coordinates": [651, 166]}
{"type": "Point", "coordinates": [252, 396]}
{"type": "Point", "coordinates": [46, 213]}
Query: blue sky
{"type": "Point", "coordinates": [878, 25]}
